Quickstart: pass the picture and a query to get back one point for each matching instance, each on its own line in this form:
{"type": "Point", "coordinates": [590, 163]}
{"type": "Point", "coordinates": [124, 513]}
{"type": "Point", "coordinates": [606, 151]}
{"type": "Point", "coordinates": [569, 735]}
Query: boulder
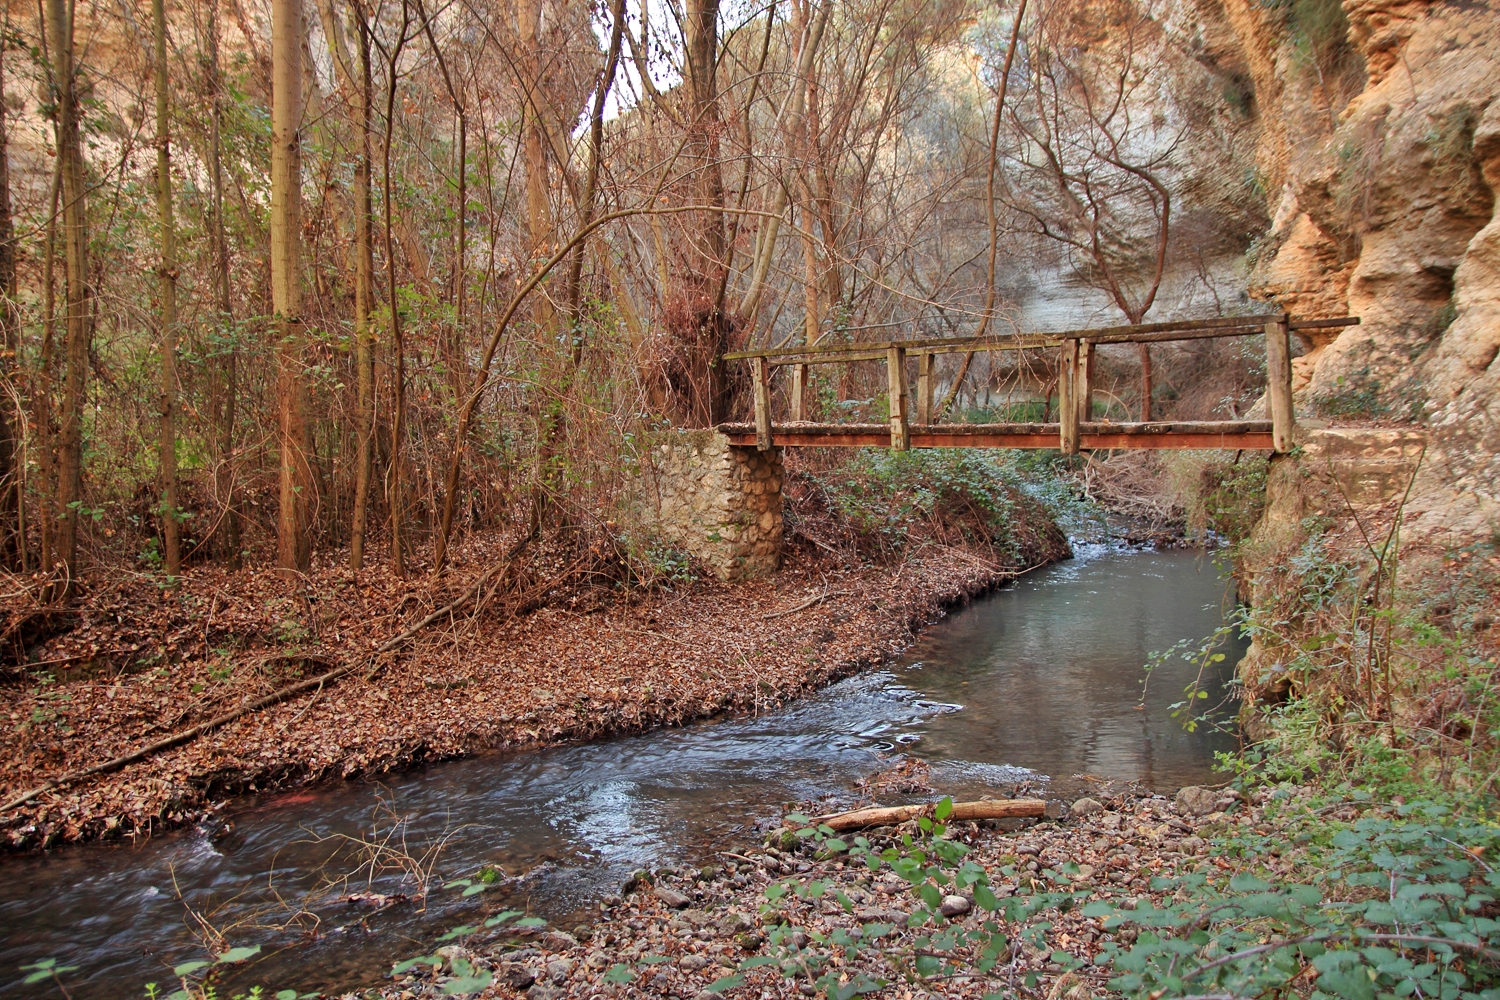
{"type": "Point", "coordinates": [1194, 800]}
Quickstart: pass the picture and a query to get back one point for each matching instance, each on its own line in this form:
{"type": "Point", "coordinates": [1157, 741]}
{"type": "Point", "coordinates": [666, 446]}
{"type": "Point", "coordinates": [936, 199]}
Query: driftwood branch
{"type": "Point", "coordinates": [891, 815]}
{"type": "Point", "coordinates": [805, 604]}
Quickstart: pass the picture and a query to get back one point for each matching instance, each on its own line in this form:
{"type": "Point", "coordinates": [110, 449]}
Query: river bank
{"type": "Point", "coordinates": [588, 663]}
{"type": "Point", "coordinates": [676, 932]}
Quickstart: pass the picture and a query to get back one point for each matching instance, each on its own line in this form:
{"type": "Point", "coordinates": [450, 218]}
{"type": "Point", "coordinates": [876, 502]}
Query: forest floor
{"type": "Point", "coordinates": [679, 930]}
{"type": "Point", "coordinates": [132, 663]}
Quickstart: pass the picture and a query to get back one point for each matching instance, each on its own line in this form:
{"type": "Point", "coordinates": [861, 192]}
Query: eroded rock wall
{"type": "Point", "coordinates": [1380, 157]}
{"type": "Point", "coordinates": [1380, 151]}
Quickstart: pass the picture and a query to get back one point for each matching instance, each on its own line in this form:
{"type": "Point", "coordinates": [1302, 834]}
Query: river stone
{"type": "Point", "coordinates": [954, 906]}
{"type": "Point", "coordinates": [517, 975]}
{"type": "Point", "coordinates": [692, 963]}
{"type": "Point", "coordinates": [559, 941]}
{"type": "Point", "coordinates": [671, 897]}
{"type": "Point", "coordinates": [559, 969]}
{"type": "Point", "coordinates": [1195, 800]}
{"type": "Point", "coordinates": [733, 923]}
{"type": "Point", "coordinates": [1085, 807]}
{"type": "Point", "coordinates": [876, 914]}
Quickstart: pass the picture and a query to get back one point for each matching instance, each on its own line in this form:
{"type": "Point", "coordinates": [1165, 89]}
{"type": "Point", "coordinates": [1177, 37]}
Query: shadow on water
{"type": "Point", "coordinates": [1037, 683]}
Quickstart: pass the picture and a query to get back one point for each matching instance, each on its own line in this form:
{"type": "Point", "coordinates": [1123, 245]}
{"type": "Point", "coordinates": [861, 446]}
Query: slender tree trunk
{"type": "Point", "coordinates": [364, 271]}
{"type": "Point", "coordinates": [398, 348]}
{"type": "Point", "coordinates": [167, 289]}
{"type": "Point", "coordinates": [42, 393]}
{"type": "Point", "coordinates": [77, 294]}
{"type": "Point", "coordinates": [12, 509]}
{"type": "Point", "coordinates": [226, 370]}
{"type": "Point", "coordinates": [293, 530]}
{"type": "Point", "coordinates": [709, 333]}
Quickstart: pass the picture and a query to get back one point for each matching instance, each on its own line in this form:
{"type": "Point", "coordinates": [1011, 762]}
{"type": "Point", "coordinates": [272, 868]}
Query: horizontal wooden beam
{"type": "Point", "coordinates": [1250, 435]}
{"type": "Point", "coordinates": [1138, 333]}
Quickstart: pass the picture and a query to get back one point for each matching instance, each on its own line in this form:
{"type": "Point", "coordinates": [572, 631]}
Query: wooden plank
{"type": "Point", "coordinates": [1067, 399]}
{"type": "Point", "coordinates": [799, 391]}
{"type": "Point", "coordinates": [1024, 341]}
{"type": "Point", "coordinates": [895, 362]}
{"type": "Point", "coordinates": [1085, 382]}
{"type": "Point", "coordinates": [1178, 441]}
{"type": "Point", "coordinates": [763, 440]}
{"type": "Point", "coordinates": [924, 387]}
{"type": "Point", "coordinates": [1323, 324]}
{"type": "Point", "coordinates": [1279, 383]}
{"type": "Point", "coordinates": [1157, 428]}
{"type": "Point", "coordinates": [1166, 337]}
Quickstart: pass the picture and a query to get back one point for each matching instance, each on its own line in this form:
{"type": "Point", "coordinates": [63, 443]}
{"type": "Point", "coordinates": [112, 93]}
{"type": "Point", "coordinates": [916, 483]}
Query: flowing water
{"type": "Point", "coordinates": [1035, 685]}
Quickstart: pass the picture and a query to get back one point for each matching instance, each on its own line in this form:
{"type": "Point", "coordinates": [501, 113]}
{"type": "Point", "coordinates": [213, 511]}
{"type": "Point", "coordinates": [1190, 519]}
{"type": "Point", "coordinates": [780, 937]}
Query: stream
{"type": "Point", "coordinates": [1032, 686]}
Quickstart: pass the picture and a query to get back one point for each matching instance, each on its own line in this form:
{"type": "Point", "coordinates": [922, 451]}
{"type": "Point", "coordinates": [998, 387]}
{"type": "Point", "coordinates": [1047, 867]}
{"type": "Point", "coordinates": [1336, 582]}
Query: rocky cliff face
{"type": "Point", "coordinates": [1380, 157]}
{"type": "Point", "coordinates": [1380, 152]}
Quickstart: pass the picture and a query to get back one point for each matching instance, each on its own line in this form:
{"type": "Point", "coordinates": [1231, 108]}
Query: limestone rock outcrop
{"type": "Point", "coordinates": [1380, 154]}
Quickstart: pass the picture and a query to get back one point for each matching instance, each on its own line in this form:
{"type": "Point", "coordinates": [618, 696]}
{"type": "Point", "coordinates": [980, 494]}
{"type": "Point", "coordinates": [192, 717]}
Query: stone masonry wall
{"type": "Point", "coordinates": [719, 502]}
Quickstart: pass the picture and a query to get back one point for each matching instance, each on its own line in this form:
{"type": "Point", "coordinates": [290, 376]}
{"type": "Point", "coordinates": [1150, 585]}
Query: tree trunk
{"type": "Point", "coordinates": [12, 509]}
{"type": "Point", "coordinates": [398, 349]}
{"type": "Point", "coordinates": [364, 272]}
{"type": "Point", "coordinates": [76, 296]}
{"type": "Point", "coordinates": [167, 274]}
{"type": "Point", "coordinates": [704, 324]}
{"type": "Point", "coordinates": [293, 531]}
{"type": "Point", "coordinates": [226, 370]}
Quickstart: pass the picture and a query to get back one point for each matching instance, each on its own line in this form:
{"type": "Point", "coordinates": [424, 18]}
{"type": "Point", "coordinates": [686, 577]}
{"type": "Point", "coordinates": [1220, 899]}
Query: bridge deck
{"type": "Point", "coordinates": [1250, 435]}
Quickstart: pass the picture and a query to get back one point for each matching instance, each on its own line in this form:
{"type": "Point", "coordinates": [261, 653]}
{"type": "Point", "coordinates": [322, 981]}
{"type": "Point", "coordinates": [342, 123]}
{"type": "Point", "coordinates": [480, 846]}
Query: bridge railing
{"type": "Point", "coordinates": [1075, 387]}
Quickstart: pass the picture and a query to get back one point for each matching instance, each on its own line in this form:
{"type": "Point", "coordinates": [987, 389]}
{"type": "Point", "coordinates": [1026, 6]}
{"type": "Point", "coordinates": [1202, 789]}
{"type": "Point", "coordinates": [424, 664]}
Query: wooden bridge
{"type": "Point", "coordinates": [1072, 432]}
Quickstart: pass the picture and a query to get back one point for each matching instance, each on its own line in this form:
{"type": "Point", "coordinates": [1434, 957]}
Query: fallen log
{"type": "Point", "coordinates": [891, 815]}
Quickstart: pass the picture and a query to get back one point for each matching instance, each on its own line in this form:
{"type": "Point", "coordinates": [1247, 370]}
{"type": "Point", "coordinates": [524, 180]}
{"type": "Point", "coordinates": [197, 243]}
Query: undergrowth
{"type": "Point", "coordinates": [878, 503]}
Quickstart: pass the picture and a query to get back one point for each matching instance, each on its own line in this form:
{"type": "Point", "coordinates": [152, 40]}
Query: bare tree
{"type": "Point", "coordinates": [1095, 153]}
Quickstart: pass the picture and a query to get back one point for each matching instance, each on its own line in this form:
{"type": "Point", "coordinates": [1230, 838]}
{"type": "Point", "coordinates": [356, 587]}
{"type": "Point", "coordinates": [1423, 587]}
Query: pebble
{"type": "Point", "coordinates": [671, 897]}
{"type": "Point", "coordinates": [954, 906]}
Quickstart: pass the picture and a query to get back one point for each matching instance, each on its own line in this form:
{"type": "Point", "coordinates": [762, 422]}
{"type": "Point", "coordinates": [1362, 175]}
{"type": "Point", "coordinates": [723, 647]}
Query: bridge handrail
{"type": "Point", "coordinates": [1075, 378]}
{"type": "Point", "coordinates": [1226, 326]}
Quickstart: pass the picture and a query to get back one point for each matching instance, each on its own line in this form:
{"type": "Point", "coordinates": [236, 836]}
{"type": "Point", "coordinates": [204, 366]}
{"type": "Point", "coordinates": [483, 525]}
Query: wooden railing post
{"type": "Point", "coordinates": [1067, 398]}
{"type": "Point", "coordinates": [895, 362]}
{"type": "Point", "coordinates": [1085, 381]}
{"type": "Point", "coordinates": [924, 387]}
{"type": "Point", "coordinates": [1279, 383]}
{"type": "Point", "coordinates": [762, 370]}
{"type": "Point", "coordinates": [799, 391]}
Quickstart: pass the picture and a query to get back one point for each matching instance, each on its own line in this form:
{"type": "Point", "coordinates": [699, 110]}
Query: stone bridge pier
{"type": "Point", "coordinates": [720, 502]}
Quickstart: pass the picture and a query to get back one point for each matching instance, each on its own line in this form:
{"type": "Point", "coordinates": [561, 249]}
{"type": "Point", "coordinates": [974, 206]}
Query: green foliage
{"type": "Point", "coordinates": [1231, 497]}
{"type": "Point", "coordinates": [933, 866]}
{"type": "Point", "coordinates": [888, 499]}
